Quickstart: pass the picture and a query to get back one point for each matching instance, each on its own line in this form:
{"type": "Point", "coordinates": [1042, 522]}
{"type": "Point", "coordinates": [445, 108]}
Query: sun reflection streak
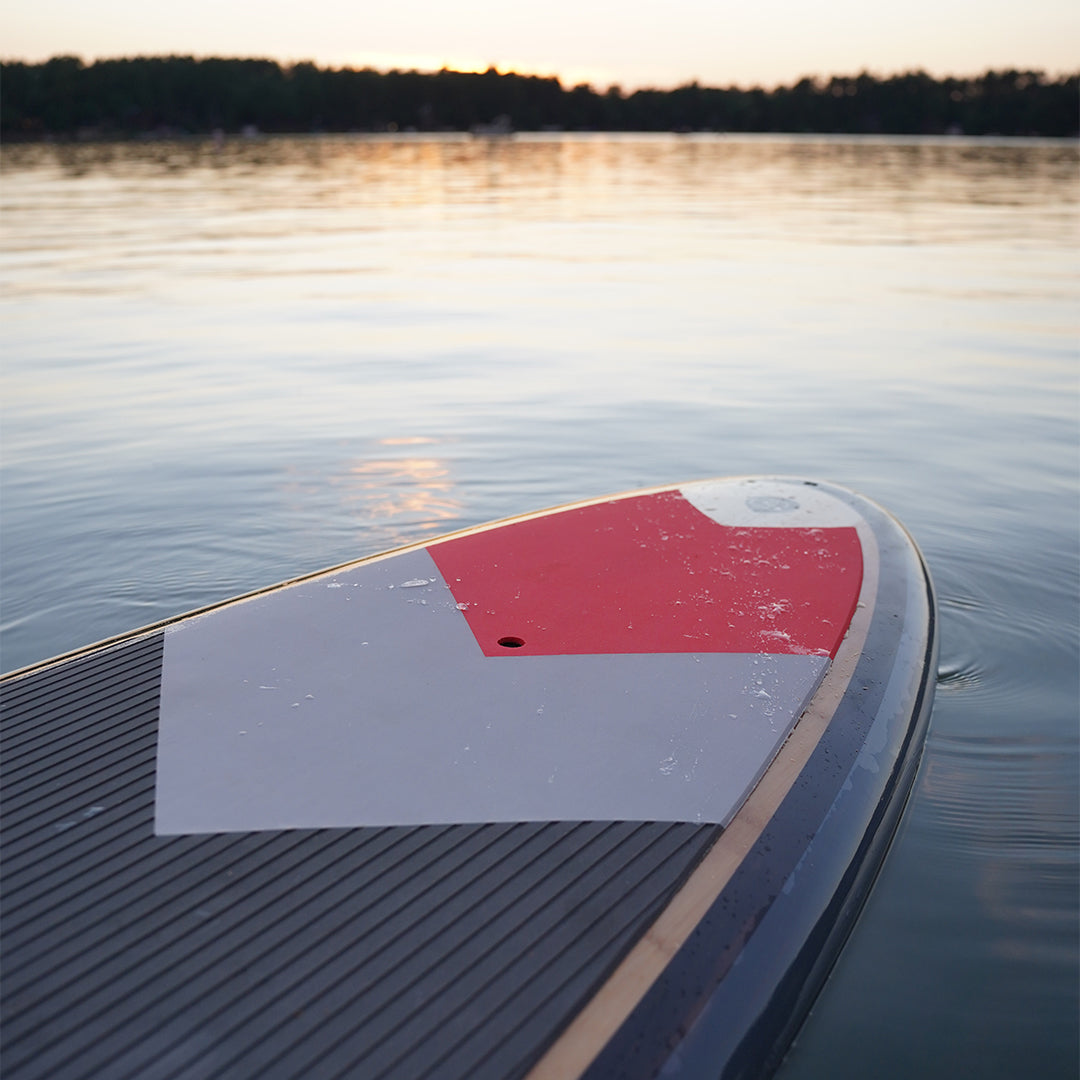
{"type": "Point", "coordinates": [392, 499]}
{"type": "Point", "coordinates": [417, 491]}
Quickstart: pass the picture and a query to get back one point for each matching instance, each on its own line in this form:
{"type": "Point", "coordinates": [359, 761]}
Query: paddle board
{"type": "Point", "coordinates": [592, 792]}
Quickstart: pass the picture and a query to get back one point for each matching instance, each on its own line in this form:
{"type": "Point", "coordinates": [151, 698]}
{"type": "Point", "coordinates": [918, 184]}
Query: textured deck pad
{"type": "Point", "coordinates": [653, 573]}
{"type": "Point", "coordinates": [656, 651]}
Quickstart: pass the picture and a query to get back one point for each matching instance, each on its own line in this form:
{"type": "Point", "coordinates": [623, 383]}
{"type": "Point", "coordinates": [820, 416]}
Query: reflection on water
{"type": "Point", "coordinates": [416, 489]}
{"type": "Point", "coordinates": [226, 368]}
{"type": "Point", "coordinates": [195, 194]}
{"type": "Point", "coordinates": [408, 494]}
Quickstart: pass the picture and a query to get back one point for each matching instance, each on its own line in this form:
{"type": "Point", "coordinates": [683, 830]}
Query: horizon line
{"type": "Point", "coordinates": [289, 65]}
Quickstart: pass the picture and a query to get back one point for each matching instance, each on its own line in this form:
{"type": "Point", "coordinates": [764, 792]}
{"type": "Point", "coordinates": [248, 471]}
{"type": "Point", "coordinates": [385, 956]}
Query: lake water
{"type": "Point", "coordinates": [223, 367]}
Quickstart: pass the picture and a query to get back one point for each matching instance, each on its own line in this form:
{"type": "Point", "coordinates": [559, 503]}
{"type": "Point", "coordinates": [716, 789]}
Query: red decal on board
{"type": "Point", "coordinates": [652, 574]}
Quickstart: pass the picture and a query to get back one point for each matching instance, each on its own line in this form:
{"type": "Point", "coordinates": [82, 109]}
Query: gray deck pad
{"type": "Point", "coordinates": [362, 698]}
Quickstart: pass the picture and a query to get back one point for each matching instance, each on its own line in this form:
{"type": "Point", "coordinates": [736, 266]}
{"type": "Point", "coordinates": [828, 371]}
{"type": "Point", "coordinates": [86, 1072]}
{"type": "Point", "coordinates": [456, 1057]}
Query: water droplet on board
{"type": "Point", "coordinates": [415, 583]}
{"type": "Point", "coordinates": [667, 766]}
{"type": "Point", "coordinates": [334, 585]}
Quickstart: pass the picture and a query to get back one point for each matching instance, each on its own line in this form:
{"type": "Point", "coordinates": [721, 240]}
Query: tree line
{"type": "Point", "coordinates": [176, 95]}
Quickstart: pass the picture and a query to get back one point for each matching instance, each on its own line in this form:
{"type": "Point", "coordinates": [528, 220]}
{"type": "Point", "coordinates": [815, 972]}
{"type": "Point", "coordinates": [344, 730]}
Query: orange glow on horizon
{"type": "Point", "coordinates": [427, 64]}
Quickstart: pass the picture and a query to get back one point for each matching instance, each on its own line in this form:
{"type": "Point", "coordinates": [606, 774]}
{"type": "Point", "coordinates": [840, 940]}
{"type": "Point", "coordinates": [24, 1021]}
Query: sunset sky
{"type": "Point", "coordinates": [718, 42]}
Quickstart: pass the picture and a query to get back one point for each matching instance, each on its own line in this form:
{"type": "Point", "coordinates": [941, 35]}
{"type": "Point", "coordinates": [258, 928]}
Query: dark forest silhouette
{"type": "Point", "coordinates": [178, 95]}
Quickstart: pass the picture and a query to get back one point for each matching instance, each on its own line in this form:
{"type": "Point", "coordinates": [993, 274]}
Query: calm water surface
{"type": "Point", "coordinates": [224, 368]}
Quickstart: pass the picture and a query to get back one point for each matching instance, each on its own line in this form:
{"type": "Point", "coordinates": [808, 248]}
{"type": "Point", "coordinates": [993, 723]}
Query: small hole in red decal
{"type": "Point", "coordinates": [511, 642]}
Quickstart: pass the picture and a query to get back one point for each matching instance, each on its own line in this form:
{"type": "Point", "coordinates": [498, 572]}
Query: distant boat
{"type": "Point", "coordinates": [501, 125]}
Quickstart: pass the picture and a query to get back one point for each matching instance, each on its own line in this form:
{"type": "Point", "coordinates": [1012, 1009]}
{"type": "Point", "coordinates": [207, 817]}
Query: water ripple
{"type": "Point", "coordinates": [960, 675]}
